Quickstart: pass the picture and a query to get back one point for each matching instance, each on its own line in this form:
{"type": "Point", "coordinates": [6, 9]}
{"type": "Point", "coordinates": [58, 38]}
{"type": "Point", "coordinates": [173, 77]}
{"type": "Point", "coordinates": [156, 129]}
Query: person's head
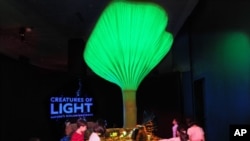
{"type": "Point", "coordinates": [70, 128]}
{"type": "Point", "coordinates": [174, 121]}
{"type": "Point", "coordinates": [99, 129]}
{"type": "Point", "coordinates": [82, 125]}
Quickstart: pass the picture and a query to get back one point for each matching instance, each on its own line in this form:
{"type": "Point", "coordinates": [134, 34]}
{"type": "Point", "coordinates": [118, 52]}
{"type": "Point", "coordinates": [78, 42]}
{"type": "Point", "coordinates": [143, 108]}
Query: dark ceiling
{"type": "Point", "coordinates": [54, 22]}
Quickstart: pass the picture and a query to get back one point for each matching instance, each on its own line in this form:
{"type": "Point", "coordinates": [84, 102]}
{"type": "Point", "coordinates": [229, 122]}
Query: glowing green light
{"type": "Point", "coordinates": [128, 41]}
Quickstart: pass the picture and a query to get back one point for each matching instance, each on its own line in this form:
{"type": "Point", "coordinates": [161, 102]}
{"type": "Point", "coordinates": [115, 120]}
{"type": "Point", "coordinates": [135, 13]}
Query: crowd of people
{"type": "Point", "coordinates": [190, 131]}
{"type": "Point", "coordinates": [79, 131]}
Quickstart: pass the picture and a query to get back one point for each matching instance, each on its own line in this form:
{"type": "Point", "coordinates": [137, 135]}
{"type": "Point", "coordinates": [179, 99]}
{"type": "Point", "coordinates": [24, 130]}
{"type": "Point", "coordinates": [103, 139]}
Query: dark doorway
{"type": "Point", "coordinates": [199, 101]}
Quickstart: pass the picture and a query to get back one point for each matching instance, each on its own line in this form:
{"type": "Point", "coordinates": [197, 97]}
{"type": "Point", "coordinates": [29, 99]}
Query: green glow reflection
{"type": "Point", "coordinates": [235, 51]}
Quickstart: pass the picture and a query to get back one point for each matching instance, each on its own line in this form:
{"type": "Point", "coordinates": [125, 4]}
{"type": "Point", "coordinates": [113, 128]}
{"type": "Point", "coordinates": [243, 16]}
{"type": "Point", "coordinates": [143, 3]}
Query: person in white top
{"type": "Point", "coordinates": [195, 132]}
{"type": "Point", "coordinates": [98, 130]}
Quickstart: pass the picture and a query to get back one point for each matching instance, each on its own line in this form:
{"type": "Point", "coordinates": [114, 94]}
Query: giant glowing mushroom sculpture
{"type": "Point", "coordinates": [127, 42]}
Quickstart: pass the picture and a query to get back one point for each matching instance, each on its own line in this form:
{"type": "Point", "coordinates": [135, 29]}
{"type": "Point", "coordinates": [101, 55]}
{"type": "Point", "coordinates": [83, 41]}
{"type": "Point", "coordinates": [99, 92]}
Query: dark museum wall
{"type": "Point", "coordinates": [25, 93]}
{"type": "Point", "coordinates": [216, 44]}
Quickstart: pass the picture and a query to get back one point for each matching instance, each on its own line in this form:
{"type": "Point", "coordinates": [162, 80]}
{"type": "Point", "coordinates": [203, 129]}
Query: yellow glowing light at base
{"type": "Point", "coordinates": [127, 42]}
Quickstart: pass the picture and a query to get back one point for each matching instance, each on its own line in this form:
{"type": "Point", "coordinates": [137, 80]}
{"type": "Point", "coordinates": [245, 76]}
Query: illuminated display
{"type": "Point", "coordinates": [127, 42]}
{"type": "Point", "coordinates": [67, 107]}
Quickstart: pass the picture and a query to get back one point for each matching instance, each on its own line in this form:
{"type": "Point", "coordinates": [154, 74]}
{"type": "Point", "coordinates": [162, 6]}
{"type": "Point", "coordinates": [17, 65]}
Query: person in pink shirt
{"type": "Point", "coordinates": [195, 132]}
